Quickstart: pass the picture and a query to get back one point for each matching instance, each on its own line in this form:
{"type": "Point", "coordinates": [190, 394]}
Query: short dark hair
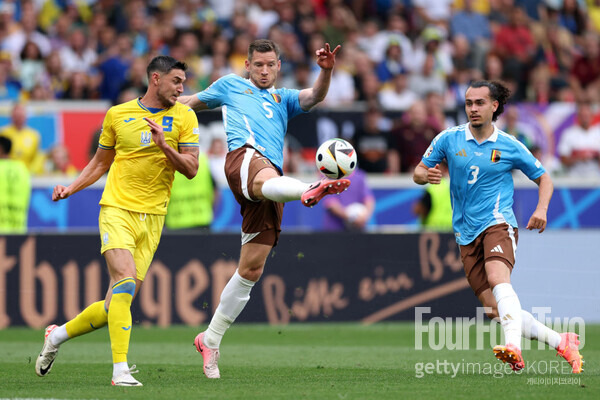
{"type": "Point", "coordinates": [263, 46]}
{"type": "Point", "coordinates": [498, 92]}
{"type": "Point", "coordinates": [5, 145]}
{"type": "Point", "coordinates": [164, 64]}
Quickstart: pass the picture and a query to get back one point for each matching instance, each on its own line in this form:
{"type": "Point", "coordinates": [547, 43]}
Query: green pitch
{"type": "Point", "coordinates": [299, 361]}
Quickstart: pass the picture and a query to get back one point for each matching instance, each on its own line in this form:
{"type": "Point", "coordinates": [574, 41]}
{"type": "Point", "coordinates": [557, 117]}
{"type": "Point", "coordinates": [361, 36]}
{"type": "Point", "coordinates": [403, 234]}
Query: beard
{"type": "Point", "coordinates": [476, 124]}
{"type": "Point", "coordinates": [166, 102]}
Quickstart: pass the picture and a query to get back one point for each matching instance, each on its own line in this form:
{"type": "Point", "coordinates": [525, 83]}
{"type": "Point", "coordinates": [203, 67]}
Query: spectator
{"type": "Point", "coordinates": [412, 135]}
{"type": "Point", "coordinates": [585, 72]}
{"type": "Point", "coordinates": [510, 124]}
{"type": "Point", "coordinates": [32, 66]}
{"type": "Point", "coordinates": [353, 210]}
{"type": "Point", "coordinates": [475, 27]}
{"type": "Point", "coordinates": [15, 42]}
{"type": "Point", "coordinates": [115, 67]}
{"type": "Point", "coordinates": [396, 95]}
{"type": "Point", "coordinates": [427, 80]}
{"type": "Point", "coordinates": [78, 87]}
{"type": "Point", "coordinates": [10, 89]}
{"type": "Point", "coordinates": [579, 145]}
{"type": "Point", "coordinates": [434, 208]}
{"type": "Point", "coordinates": [515, 44]}
{"type": "Point", "coordinates": [373, 143]}
{"type": "Point", "coordinates": [392, 64]}
{"type": "Point", "coordinates": [15, 191]}
{"type": "Point", "coordinates": [58, 162]}
{"type": "Point", "coordinates": [77, 56]}
{"type": "Point", "coordinates": [374, 43]}
{"type": "Point", "coordinates": [25, 140]}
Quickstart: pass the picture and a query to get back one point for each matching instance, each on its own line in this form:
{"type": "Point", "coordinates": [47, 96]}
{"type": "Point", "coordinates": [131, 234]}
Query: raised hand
{"type": "Point", "coordinates": [158, 136]}
{"type": "Point", "coordinates": [326, 57]}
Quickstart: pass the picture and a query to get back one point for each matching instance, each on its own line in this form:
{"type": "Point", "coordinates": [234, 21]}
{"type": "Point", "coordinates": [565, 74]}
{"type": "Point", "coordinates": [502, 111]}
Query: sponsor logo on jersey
{"type": "Point", "coordinates": [196, 131]}
{"type": "Point", "coordinates": [496, 155]}
{"type": "Point", "coordinates": [146, 138]}
{"type": "Point", "coordinates": [461, 153]}
{"type": "Point", "coordinates": [248, 91]}
{"type": "Point", "coordinates": [276, 97]}
{"type": "Point", "coordinates": [128, 120]}
{"type": "Point", "coordinates": [105, 238]}
{"type": "Point", "coordinates": [478, 154]}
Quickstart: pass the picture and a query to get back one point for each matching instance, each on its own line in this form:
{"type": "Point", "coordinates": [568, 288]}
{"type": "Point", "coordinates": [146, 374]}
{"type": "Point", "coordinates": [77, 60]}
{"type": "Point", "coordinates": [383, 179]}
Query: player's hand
{"type": "Point", "coordinates": [60, 192]}
{"type": "Point", "coordinates": [434, 175]}
{"type": "Point", "coordinates": [158, 136]}
{"type": "Point", "coordinates": [326, 57]}
{"type": "Point", "coordinates": [538, 220]}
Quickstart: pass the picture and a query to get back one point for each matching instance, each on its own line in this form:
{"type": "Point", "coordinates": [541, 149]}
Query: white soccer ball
{"type": "Point", "coordinates": [336, 158]}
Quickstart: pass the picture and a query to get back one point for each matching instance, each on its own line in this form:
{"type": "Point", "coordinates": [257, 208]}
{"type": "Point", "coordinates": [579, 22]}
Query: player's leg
{"type": "Point", "coordinates": [269, 185]}
{"type": "Point", "coordinates": [261, 224]}
{"type": "Point", "coordinates": [91, 318]}
{"type": "Point", "coordinates": [121, 267]}
{"type": "Point", "coordinates": [499, 247]}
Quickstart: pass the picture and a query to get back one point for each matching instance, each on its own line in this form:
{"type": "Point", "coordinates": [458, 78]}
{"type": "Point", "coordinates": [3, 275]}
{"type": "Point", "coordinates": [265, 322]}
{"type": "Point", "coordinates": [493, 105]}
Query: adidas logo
{"type": "Point", "coordinates": [497, 249]}
{"type": "Point", "coordinates": [461, 153]}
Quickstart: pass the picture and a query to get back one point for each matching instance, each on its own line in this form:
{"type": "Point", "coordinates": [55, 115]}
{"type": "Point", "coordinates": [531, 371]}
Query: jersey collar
{"type": "Point", "coordinates": [469, 135]}
{"type": "Point", "coordinates": [151, 109]}
{"type": "Point", "coordinates": [271, 89]}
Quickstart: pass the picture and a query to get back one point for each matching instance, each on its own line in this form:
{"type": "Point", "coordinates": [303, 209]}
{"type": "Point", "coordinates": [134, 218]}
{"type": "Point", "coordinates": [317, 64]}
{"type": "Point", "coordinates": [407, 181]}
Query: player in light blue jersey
{"type": "Point", "coordinates": [480, 159]}
{"type": "Point", "coordinates": [255, 117]}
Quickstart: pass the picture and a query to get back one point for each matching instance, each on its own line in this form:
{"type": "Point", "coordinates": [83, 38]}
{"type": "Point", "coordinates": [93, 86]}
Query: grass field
{"type": "Point", "coordinates": [299, 361]}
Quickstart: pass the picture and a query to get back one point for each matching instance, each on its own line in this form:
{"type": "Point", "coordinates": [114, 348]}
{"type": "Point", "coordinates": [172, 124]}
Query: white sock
{"type": "Point", "coordinates": [234, 297]}
{"type": "Point", "coordinates": [535, 330]}
{"type": "Point", "coordinates": [283, 189]}
{"type": "Point", "coordinates": [59, 335]}
{"type": "Point", "coordinates": [509, 310]}
{"type": "Point", "coordinates": [119, 368]}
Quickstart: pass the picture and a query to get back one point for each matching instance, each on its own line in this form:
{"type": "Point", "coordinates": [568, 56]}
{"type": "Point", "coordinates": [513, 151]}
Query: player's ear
{"type": "Point", "coordinates": [155, 78]}
{"type": "Point", "coordinates": [495, 104]}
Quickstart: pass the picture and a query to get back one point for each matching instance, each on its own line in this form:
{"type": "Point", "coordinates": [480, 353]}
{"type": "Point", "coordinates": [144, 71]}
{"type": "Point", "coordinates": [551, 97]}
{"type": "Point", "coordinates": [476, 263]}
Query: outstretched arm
{"type": "Point", "coordinates": [90, 174]}
{"type": "Point", "coordinates": [193, 102]}
{"type": "Point", "coordinates": [184, 161]}
{"type": "Point", "coordinates": [539, 218]}
{"type": "Point", "coordinates": [312, 96]}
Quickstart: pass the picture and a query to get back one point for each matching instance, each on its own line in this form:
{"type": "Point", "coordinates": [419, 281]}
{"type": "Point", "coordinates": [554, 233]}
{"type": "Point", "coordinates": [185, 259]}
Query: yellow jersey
{"type": "Point", "coordinates": [25, 144]}
{"type": "Point", "coordinates": [141, 176]}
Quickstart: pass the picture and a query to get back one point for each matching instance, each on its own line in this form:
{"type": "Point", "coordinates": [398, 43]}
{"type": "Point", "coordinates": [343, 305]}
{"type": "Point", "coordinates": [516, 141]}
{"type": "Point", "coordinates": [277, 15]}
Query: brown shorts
{"type": "Point", "coordinates": [498, 242]}
{"type": "Point", "coordinates": [261, 219]}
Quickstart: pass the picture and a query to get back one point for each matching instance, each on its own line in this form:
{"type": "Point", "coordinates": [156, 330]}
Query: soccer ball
{"type": "Point", "coordinates": [336, 158]}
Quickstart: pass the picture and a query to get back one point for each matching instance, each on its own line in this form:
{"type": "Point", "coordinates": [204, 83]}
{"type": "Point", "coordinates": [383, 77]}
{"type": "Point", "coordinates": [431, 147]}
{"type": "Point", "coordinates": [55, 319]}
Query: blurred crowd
{"type": "Point", "coordinates": [416, 57]}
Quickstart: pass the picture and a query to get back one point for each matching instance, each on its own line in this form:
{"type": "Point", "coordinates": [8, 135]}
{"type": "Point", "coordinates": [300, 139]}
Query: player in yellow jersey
{"type": "Point", "coordinates": [146, 140]}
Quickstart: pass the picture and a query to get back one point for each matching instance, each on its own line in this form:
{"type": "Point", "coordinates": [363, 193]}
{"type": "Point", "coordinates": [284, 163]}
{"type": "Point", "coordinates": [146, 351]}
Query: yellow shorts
{"type": "Point", "coordinates": [137, 232]}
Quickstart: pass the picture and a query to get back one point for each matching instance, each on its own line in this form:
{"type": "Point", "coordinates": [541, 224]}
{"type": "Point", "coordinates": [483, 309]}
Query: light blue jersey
{"type": "Point", "coordinates": [253, 116]}
{"type": "Point", "coordinates": [481, 182]}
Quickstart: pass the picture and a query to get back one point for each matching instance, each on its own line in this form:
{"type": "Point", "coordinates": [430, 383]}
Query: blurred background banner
{"type": "Point", "coordinates": [308, 277]}
{"type": "Point", "coordinates": [50, 278]}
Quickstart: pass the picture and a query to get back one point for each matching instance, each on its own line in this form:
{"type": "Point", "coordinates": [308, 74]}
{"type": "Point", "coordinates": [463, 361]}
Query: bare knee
{"type": "Point", "coordinates": [251, 273]}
